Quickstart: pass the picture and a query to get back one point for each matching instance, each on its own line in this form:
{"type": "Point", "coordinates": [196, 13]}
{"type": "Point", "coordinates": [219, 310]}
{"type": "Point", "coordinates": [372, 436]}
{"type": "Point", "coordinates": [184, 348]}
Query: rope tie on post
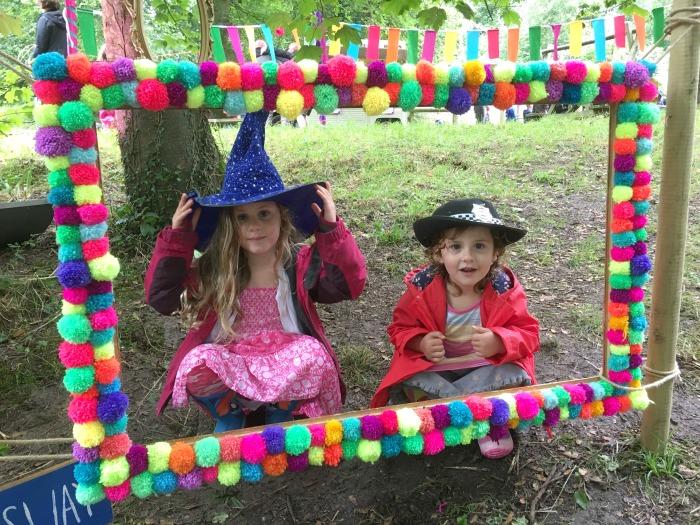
{"type": "Point", "coordinates": [664, 376]}
{"type": "Point", "coordinates": [690, 18]}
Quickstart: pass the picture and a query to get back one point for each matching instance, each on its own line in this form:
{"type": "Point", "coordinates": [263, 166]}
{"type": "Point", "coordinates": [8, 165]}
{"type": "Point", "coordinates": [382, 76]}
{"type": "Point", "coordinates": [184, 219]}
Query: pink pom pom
{"type": "Point", "coordinates": [252, 76]}
{"type": "Point", "coordinates": [526, 406]}
{"type": "Point", "coordinates": [621, 254]}
{"type": "Point", "coordinates": [290, 76]}
{"type": "Point", "coordinates": [623, 210]}
{"type": "Point", "coordinates": [47, 91]}
{"type": "Point", "coordinates": [104, 319]}
{"type": "Point", "coordinates": [279, 31]}
{"type": "Point", "coordinates": [115, 446]}
{"type": "Point", "coordinates": [152, 95]}
{"type": "Point", "coordinates": [578, 394]}
{"type": "Point", "coordinates": [390, 423]}
{"type": "Point", "coordinates": [616, 337]}
{"type": "Point", "coordinates": [648, 92]}
{"type": "Point", "coordinates": [210, 474]}
{"type": "Point", "coordinates": [84, 138]}
{"type": "Point", "coordinates": [75, 295]}
{"type": "Point", "coordinates": [642, 178]}
{"type": "Point", "coordinates": [75, 355]}
{"type": "Point", "coordinates": [481, 408]}
{"type": "Point", "coordinates": [636, 295]}
{"type": "Point", "coordinates": [611, 406]}
{"type": "Point", "coordinates": [67, 215]}
{"type": "Point", "coordinates": [208, 72]}
{"type": "Point", "coordinates": [639, 221]}
{"type": "Point", "coordinates": [522, 92]}
{"type": "Point", "coordinates": [102, 75]}
{"type": "Point", "coordinates": [427, 424]}
{"type": "Point", "coordinates": [576, 71]}
{"type": "Point", "coordinates": [434, 443]}
{"type": "Point", "coordinates": [617, 92]}
{"type": "Point", "coordinates": [342, 70]}
{"type": "Point", "coordinates": [645, 131]}
{"type": "Point", "coordinates": [428, 94]}
{"type": "Point", "coordinates": [93, 213]}
{"type": "Point", "coordinates": [620, 377]}
{"type": "Point", "coordinates": [230, 448]}
{"type": "Point", "coordinates": [118, 493]}
{"type": "Point", "coordinates": [253, 448]}
{"type": "Point", "coordinates": [557, 71]}
{"type": "Point", "coordinates": [82, 409]}
{"type": "Point", "coordinates": [84, 174]}
{"type": "Point", "coordinates": [318, 435]}
{"type": "Point", "coordinates": [95, 248]}
{"type": "Point", "coordinates": [307, 91]}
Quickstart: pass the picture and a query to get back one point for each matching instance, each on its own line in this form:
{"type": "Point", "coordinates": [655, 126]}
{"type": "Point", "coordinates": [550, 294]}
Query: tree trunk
{"type": "Point", "coordinates": [164, 153]}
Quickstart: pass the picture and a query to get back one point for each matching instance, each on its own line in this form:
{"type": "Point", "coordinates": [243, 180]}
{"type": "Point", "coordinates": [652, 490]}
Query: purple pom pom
{"type": "Point", "coordinates": [270, 94]}
{"type": "Point", "coordinates": [636, 360]}
{"type": "Point", "coordinates": [323, 76]}
{"type": "Point", "coordinates": [500, 413]}
{"type": "Point", "coordinates": [590, 395]}
{"type": "Point", "coordinates": [376, 74]}
{"type": "Point", "coordinates": [489, 73]}
{"type": "Point", "coordinates": [640, 248]}
{"type": "Point", "coordinates": [619, 296]}
{"type": "Point", "coordinates": [85, 455]}
{"type": "Point", "coordinates": [192, 480]}
{"type": "Point", "coordinates": [636, 75]}
{"type": "Point", "coordinates": [344, 96]}
{"type": "Point", "coordinates": [498, 432]}
{"type": "Point", "coordinates": [111, 407]}
{"type": "Point", "coordinates": [177, 94]}
{"type": "Point", "coordinates": [274, 439]}
{"type": "Point", "coordinates": [551, 417]}
{"type": "Point", "coordinates": [371, 427]}
{"type": "Point", "coordinates": [52, 141]}
{"type": "Point", "coordinates": [73, 274]}
{"type": "Point", "coordinates": [604, 92]}
{"type": "Point", "coordinates": [624, 162]}
{"type": "Point", "coordinates": [208, 71]}
{"type": "Point", "coordinates": [124, 70]}
{"type": "Point", "coordinates": [640, 264]}
{"type": "Point", "coordinates": [69, 89]}
{"type": "Point", "coordinates": [459, 101]}
{"type": "Point", "coordinates": [99, 287]}
{"type": "Point", "coordinates": [137, 458]}
{"type": "Point", "coordinates": [555, 89]}
{"type": "Point", "coordinates": [298, 463]}
{"type": "Point", "coordinates": [441, 416]}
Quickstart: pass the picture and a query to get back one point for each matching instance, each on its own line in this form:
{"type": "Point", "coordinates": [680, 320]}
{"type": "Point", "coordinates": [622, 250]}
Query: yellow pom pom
{"type": "Point", "coordinates": [626, 130]}
{"type": "Point", "coordinates": [158, 457]}
{"type": "Point", "coordinates": [145, 68]}
{"type": "Point", "coordinates": [409, 422]}
{"type": "Point", "coordinates": [442, 74]}
{"type": "Point", "coordinates": [105, 351]}
{"type": "Point", "coordinates": [631, 95]}
{"type": "Point", "coordinates": [290, 104]}
{"type": "Point", "coordinates": [643, 163]}
{"type": "Point", "coordinates": [91, 96]}
{"type": "Point", "coordinates": [334, 432]}
{"type": "Point", "coordinates": [639, 399]}
{"type": "Point", "coordinates": [229, 473]}
{"type": "Point", "coordinates": [316, 455]}
{"type": "Point", "coordinates": [621, 193]}
{"type": "Point", "coordinates": [408, 72]}
{"type": "Point", "coordinates": [618, 323]}
{"type": "Point", "coordinates": [592, 72]}
{"type": "Point", "coordinates": [254, 100]}
{"type": "Point", "coordinates": [360, 73]}
{"type": "Point", "coordinates": [622, 267]}
{"type": "Point", "coordinates": [195, 97]}
{"type": "Point", "coordinates": [56, 163]}
{"type": "Point", "coordinates": [90, 434]}
{"type": "Point", "coordinates": [619, 349]}
{"type": "Point", "coordinates": [114, 472]}
{"type": "Point", "coordinates": [597, 408]}
{"type": "Point", "coordinates": [504, 71]}
{"type": "Point", "coordinates": [87, 194]}
{"type": "Point", "coordinates": [310, 70]}
{"type": "Point", "coordinates": [474, 73]}
{"type": "Point", "coordinates": [466, 435]}
{"type": "Point", "coordinates": [513, 423]}
{"type": "Point", "coordinates": [376, 101]}
{"type": "Point", "coordinates": [104, 268]}
{"type": "Point", "coordinates": [70, 308]}
{"type": "Point", "coordinates": [46, 114]}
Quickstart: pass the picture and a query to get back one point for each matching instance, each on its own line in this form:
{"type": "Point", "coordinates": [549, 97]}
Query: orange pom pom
{"type": "Point", "coordinates": [425, 73]}
{"type": "Point", "coordinates": [640, 193]}
{"type": "Point", "coordinates": [473, 92]}
{"type": "Point", "coordinates": [358, 94]}
{"type": "Point", "coordinates": [625, 146]}
{"type": "Point", "coordinates": [538, 397]}
{"type": "Point", "coordinates": [618, 309]}
{"type": "Point", "coordinates": [182, 458]}
{"type": "Point", "coordinates": [632, 94]}
{"type": "Point", "coordinates": [597, 408]}
{"type": "Point", "coordinates": [504, 96]}
{"type": "Point", "coordinates": [275, 464]}
{"type": "Point", "coordinates": [229, 76]}
{"type": "Point", "coordinates": [107, 371]}
{"type": "Point", "coordinates": [332, 455]}
{"type": "Point", "coordinates": [585, 411]}
{"type": "Point", "coordinates": [618, 323]}
{"type": "Point", "coordinates": [606, 71]}
{"type": "Point", "coordinates": [625, 403]}
{"type": "Point", "coordinates": [635, 349]}
{"type": "Point", "coordinates": [393, 89]}
{"type": "Point", "coordinates": [78, 68]}
{"type": "Point", "coordinates": [620, 225]}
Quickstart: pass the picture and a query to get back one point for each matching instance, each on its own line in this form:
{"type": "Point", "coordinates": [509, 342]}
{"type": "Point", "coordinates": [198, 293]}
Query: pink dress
{"type": "Point", "coordinates": [264, 363]}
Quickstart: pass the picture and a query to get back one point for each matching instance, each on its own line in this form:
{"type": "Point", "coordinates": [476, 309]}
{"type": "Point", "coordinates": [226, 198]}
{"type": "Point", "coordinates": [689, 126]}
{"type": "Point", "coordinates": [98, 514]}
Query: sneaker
{"type": "Point", "coordinates": [492, 449]}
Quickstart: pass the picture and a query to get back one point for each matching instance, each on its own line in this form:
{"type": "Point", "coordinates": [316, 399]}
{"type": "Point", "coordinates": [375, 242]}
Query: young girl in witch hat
{"type": "Point", "coordinates": [256, 339]}
{"type": "Point", "coordinates": [462, 326]}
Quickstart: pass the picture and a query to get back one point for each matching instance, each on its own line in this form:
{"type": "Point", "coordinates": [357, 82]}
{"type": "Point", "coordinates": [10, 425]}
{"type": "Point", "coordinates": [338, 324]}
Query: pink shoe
{"type": "Point", "coordinates": [492, 449]}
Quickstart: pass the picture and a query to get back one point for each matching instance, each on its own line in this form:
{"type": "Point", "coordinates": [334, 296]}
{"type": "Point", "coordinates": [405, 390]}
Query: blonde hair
{"type": "Point", "coordinates": [223, 272]}
{"type": "Point", "coordinates": [433, 255]}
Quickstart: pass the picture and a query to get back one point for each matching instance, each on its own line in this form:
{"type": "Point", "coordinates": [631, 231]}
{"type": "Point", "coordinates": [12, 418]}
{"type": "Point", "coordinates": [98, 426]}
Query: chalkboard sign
{"type": "Point", "coordinates": [48, 498]}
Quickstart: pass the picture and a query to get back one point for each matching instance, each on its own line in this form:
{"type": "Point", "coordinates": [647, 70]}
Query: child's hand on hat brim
{"type": "Point", "coordinates": [184, 218]}
{"type": "Point", "coordinates": [328, 210]}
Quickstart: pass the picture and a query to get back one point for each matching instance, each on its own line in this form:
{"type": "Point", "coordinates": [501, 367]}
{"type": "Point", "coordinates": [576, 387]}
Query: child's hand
{"type": "Point", "coordinates": [184, 218]}
{"type": "Point", "coordinates": [328, 203]}
{"type": "Point", "coordinates": [486, 343]}
{"type": "Point", "coordinates": [432, 347]}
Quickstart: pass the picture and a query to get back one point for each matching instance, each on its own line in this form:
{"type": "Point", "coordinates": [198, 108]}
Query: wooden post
{"type": "Point", "coordinates": [672, 230]}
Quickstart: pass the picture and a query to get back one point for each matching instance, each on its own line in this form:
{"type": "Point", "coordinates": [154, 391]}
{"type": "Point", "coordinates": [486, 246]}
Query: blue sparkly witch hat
{"type": "Point", "coordinates": [251, 177]}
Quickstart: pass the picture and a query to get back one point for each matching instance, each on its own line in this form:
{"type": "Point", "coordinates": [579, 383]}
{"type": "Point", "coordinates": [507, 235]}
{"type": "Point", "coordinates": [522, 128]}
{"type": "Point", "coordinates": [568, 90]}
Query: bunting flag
{"type": "Point", "coordinates": [428, 45]}
{"type": "Point", "coordinates": [620, 30]}
{"type": "Point", "coordinates": [492, 40]}
{"type": "Point", "coordinates": [217, 45]}
{"type": "Point", "coordinates": [513, 43]}
{"type": "Point", "coordinates": [334, 45]}
{"type": "Point", "coordinates": [599, 39]}
{"type": "Point", "coordinates": [354, 49]}
{"type": "Point", "coordinates": [267, 35]}
{"type": "Point", "coordinates": [641, 27]}
{"type": "Point", "coordinates": [71, 16]}
{"type": "Point", "coordinates": [86, 25]}
{"type": "Point", "coordinates": [392, 48]}
{"type": "Point", "coordinates": [473, 45]}
{"type": "Point", "coordinates": [575, 38]}
{"type": "Point", "coordinates": [556, 30]}
{"type": "Point", "coordinates": [535, 34]}
{"type": "Point", "coordinates": [250, 35]}
{"type": "Point", "coordinates": [235, 39]}
{"type": "Point", "coordinates": [412, 46]}
{"type": "Point", "coordinates": [659, 24]}
{"type": "Point", "coordinates": [295, 34]}
{"type": "Point", "coordinates": [373, 43]}
{"type": "Point", "coordinates": [450, 46]}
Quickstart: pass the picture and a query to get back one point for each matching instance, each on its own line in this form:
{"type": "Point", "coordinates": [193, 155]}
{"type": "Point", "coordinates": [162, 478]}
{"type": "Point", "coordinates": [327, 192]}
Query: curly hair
{"type": "Point", "coordinates": [50, 5]}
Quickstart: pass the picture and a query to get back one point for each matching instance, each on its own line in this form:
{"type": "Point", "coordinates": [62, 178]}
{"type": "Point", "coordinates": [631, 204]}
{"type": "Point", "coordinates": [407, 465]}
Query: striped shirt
{"type": "Point", "coordinates": [459, 328]}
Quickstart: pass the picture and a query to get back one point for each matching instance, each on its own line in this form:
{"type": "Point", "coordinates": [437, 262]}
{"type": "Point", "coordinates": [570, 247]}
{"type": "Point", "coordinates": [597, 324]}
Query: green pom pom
{"type": "Point", "coordinates": [413, 445]}
{"type": "Point", "coordinates": [167, 70]}
{"type": "Point", "coordinates": [309, 68]}
{"type": "Point", "coordinates": [46, 114]}
{"type": "Point", "coordinates": [80, 379]}
{"type": "Point", "coordinates": [539, 418]}
{"type": "Point", "coordinates": [626, 130]}
{"type": "Point", "coordinates": [410, 95]}
{"type": "Point", "coordinates": [316, 456]}
{"type": "Point", "coordinates": [56, 163]}
{"type": "Point", "coordinates": [158, 457]}
{"type": "Point", "coordinates": [589, 91]}
{"type": "Point", "coordinates": [394, 72]}
{"type": "Point", "coordinates": [369, 450]}
{"type": "Point", "coordinates": [466, 434]}
{"type": "Point", "coordinates": [349, 449]}
{"type": "Point", "coordinates": [563, 397]}
{"type": "Point", "coordinates": [92, 97]}
{"type": "Point", "coordinates": [59, 178]}
{"type": "Point", "coordinates": [207, 451]}
{"type": "Point", "coordinates": [620, 281]}
{"type": "Point", "coordinates": [67, 234]}
{"type": "Point", "coordinates": [105, 268]}
{"type": "Point", "coordinates": [195, 97]}
{"type": "Point", "coordinates": [481, 428]}
{"type": "Point", "coordinates": [75, 115]}
{"type": "Point", "coordinates": [538, 91]}
{"type": "Point", "coordinates": [74, 328]}
{"type": "Point", "coordinates": [648, 113]}
{"type": "Point", "coordinates": [621, 193]}
{"type": "Point", "coordinates": [213, 97]}
{"type": "Point", "coordinates": [145, 68]}
{"type": "Point", "coordinates": [142, 485]}
{"type": "Point", "coordinates": [326, 99]}
{"type": "Point", "coordinates": [270, 72]}
{"type": "Point", "coordinates": [504, 71]}
{"type": "Point", "coordinates": [254, 100]}
{"type": "Point", "coordinates": [639, 399]}
{"type": "Point", "coordinates": [636, 337]}
{"type": "Point", "coordinates": [452, 436]}
{"type": "Point", "coordinates": [607, 388]}
{"type": "Point", "coordinates": [641, 234]}
{"type": "Point", "coordinates": [89, 494]}
{"type": "Point", "coordinates": [523, 73]}
{"type": "Point", "coordinates": [564, 413]}
{"type": "Point", "coordinates": [113, 97]}
{"type": "Point", "coordinates": [360, 73]}
{"type": "Point", "coordinates": [114, 472]}
{"type": "Point", "coordinates": [297, 439]}
{"type": "Point", "coordinates": [442, 93]}
{"type": "Point", "coordinates": [628, 112]}
{"type": "Point", "coordinates": [229, 473]}
{"type": "Point", "coordinates": [637, 309]}
{"type": "Point", "coordinates": [636, 374]}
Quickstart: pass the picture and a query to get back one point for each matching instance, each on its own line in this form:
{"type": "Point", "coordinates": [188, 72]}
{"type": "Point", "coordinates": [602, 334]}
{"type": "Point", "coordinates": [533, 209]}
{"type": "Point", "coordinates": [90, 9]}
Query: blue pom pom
{"type": "Point", "coordinates": [72, 251]}
{"type": "Point", "coordinates": [651, 66]}
{"type": "Point", "coordinates": [628, 112]}
{"type": "Point", "coordinates": [486, 93]}
{"type": "Point", "coordinates": [640, 207]}
{"type": "Point", "coordinates": [164, 482]}
{"type": "Point", "coordinates": [82, 156]}
{"type": "Point", "coordinates": [598, 390]}
{"type": "Point", "coordinates": [99, 302]}
{"type": "Point", "coordinates": [640, 280]}
{"type": "Point", "coordinates": [111, 407]}
{"type": "Point", "coordinates": [49, 66]}
{"type": "Point", "coordinates": [644, 146]}
{"type": "Point", "coordinates": [188, 74]}
{"type": "Point", "coordinates": [114, 386]}
{"type": "Point", "coordinates": [638, 323]}
{"type": "Point", "coordinates": [101, 337]}
{"type": "Point", "coordinates": [571, 94]}
{"type": "Point", "coordinates": [459, 102]}
{"type": "Point", "coordinates": [73, 274]}
{"type": "Point", "coordinates": [540, 71]}
{"type": "Point", "coordinates": [618, 362]}
{"type": "Point", "coordinates": [61, 195]}
{"type": "Point", "coordinates": [251, 472]}
{"type": "Point", "coordinates": [129, 92]}
{"type": "Point", "coordinates": [623, 239]}
{"type": "Point", "coordinates": [460, 414]}
{"type": "Point", "coordinates": [351, 429]}
{"type": "Point", "coordinates": [618, 73]}
{"type": "Point", "coordinates": [624, 178]}
{"type": "Point", "coordinates": [92, 232]}
{"type": "Point", "coordinates": [87, 473]}
{"type": "Point", "coordinates": [456, 74]}
{"type": "Point", "coordinates": [574, 411]}
{"type": "Point", "coordinates": [550, 399]}
{"type": "Point", "coordinates": [391, 445]}
{"type": "Point", "coordinates": [274, 439]}
{"type": "Point", "coordinates": [500, 412]}
{"type": "Point", "coordinates": [234, 103]}
{"type": "Point", "coordinates": [118, 427]}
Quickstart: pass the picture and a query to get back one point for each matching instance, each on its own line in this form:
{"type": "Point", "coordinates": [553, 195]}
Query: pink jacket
{"type": "Point", "coordinates": [330, 270]}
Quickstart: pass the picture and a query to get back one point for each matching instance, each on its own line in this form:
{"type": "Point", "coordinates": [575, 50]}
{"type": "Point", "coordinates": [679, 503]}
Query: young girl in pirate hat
{"type": "Point", "coordinates": [462, 326]}
{"type": "Point", "coordinates": [255, 339]}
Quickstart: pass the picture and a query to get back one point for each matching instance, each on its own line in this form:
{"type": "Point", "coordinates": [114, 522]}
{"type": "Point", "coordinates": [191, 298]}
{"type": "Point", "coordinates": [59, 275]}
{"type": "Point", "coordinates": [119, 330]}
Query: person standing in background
{"type": "Point", "coordinates": [50, 29]}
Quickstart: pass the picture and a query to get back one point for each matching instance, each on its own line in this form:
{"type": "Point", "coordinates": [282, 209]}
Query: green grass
{"type": "Point", "coordinates": [589, 253]}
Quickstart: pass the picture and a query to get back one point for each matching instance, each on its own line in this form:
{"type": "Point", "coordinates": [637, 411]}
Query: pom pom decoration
{"type": "Point", "coordinates": [290, 76]}
{"type": "Point", "coordinates": [326, 98]}
{"type": "Point", "coordinates": [376, 101]}
{"type": "Point", "coordinates": [49, 66]}
{"type": "Point", "coordinates": [152, 95]}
